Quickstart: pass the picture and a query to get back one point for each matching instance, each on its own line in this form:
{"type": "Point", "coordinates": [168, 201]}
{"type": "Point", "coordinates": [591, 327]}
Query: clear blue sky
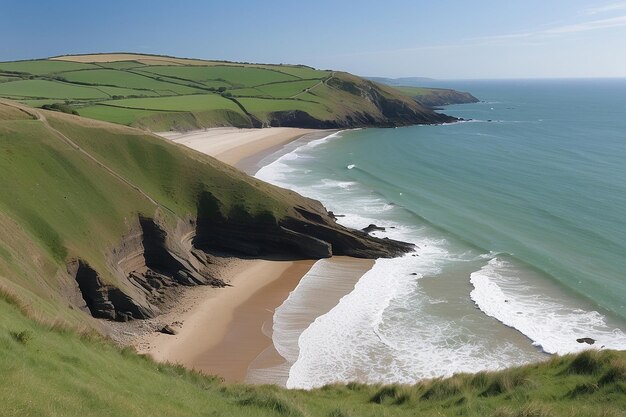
{"type": "Point", "coordinates": [440, 39]}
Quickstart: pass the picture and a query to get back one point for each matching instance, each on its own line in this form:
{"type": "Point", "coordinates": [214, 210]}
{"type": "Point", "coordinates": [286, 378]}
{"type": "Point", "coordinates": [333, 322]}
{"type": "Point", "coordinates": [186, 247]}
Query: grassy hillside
{"type": "Point", "coordinates": [163, 93]}
{"type": "Point", "coordinates": [433, 97]}
{"type": "Point", "coordinates": [48, 371]}
{"type": "Point", "coordinates": [102, 217]}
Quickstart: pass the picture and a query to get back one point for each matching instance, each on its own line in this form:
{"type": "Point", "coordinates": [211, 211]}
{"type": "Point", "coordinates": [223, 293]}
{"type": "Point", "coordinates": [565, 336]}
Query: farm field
{"type": "Point", "coordinates": [160, 93]}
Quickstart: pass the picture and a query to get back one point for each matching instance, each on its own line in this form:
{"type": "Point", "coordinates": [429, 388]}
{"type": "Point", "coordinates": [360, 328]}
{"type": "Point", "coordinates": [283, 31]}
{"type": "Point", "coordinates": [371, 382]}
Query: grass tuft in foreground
{"type": "Point", "coordinates": [52, 371]}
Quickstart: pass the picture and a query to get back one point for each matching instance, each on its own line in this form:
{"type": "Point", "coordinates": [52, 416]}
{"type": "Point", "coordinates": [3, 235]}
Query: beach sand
{"type": "Point", "coordinates": [220, 330]}
{"type": "Point", "coordinates": [242, 148]}
{"type": "Point", "coordinates": [228, 331]}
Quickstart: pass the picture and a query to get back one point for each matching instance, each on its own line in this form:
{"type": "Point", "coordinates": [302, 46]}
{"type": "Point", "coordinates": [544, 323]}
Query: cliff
{"type": "Point", "coordinates": [115, 216]}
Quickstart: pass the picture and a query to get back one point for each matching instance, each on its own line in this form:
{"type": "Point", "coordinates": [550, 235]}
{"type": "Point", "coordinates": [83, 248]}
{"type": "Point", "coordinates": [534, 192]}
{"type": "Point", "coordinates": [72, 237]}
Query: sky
{"type": "Point", "coordinates": [444, 39]}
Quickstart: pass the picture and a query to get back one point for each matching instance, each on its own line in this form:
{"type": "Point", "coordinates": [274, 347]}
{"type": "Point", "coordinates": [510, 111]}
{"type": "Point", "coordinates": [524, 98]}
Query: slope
{"type": "Point", "coordinates": [103, 218]}
{"type": "Point", "coordinates": [165, 93]}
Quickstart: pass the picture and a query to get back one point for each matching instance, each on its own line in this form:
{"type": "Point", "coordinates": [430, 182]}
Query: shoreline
{"type": "Point", "coordinates": [228, 331]}
{"type": "Point", "coordinates": [326, 283]}
{"type": "Point", "coordinates": [243, 148]}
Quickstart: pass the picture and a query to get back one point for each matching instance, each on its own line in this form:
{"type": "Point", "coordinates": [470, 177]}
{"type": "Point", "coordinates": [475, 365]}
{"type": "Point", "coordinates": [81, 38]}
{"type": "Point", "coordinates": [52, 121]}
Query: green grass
{"type": "Point", "coordinates": [39, 102]}
{"type": "Point", "coordinates": [198, 102]}
{"type": "Point", "coordinates": [437, 96]}
{"type": "Point", "coordinates": [334, 98]}
{"type": "Point", "coordinates": [303, 72]}
{"type": "Point", "coordinates": [49, 89]}
{"type": "Point", "coordinates": [127, 79]}
{"type": "Point", "coordinates": [59, 198]}
{"type": "Point", "coordinates": [415, 91]}
{"type": "Point", "coordinates": [261, 107]}
{"type": "Point", "coordinates": [57, 204]}
{"type": "Point", "coordinates": [249, 92]}
{"type": "Point", "coordinates": [120, 64]}
{"type": "Point", "coordinates": [286, 90]}
{"type": "Point", "coordinates": [164, 113]}
{"type": "Point", "coordinates": [49, 371]}
{"type": "Point", "coordinates": [126, 92]}
{"type": "Point", "coordinates": [43, 66]}
{"type": "Point", "coordinates": [234, 75]}
{"type": "Point", "coordinates": [159, 121]}
{"type": "Point", "coordinates": [115, 114]}
{"type": "Point", "coordinates": [7, 78]}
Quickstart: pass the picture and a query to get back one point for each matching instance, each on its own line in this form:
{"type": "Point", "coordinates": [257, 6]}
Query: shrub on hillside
{"type": "Point", "coordinates": [60, 107]}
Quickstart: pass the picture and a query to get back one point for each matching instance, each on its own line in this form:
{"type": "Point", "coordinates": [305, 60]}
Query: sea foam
{"type": "Point", "coordinates": [552, 324]}
{"type": "Point", "coordinates": [384, 329]}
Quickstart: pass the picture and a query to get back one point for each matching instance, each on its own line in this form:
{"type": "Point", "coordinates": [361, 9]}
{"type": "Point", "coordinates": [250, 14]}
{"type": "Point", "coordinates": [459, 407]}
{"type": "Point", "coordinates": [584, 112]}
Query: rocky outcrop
{"type": "Point", "coordinates": [103, 300]}
{"type": "Point", "coordinates": [151, 258]}
{"type": "Point", "coordinates": [373, 228]}
{"type": "Point", "coordinates": [146, 264]}
{"type": "Point", "coordinates": [309, 232]}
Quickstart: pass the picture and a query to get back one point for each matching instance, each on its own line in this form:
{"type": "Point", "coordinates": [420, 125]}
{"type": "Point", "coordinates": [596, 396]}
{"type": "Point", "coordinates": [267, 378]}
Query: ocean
{"type": "Point", "coordinates": [519, 217]}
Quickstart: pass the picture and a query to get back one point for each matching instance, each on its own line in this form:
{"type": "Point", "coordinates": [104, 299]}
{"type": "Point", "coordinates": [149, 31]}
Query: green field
{"type": "Point", "coordinates": [43, 66]}
{"type": "Point", "coordinates": [233, 75]}
{"type": "Point", "coordinates": [197, 102]}
{"type": "Point", "coordinates": [121, 64]}
{"type": "Point", "coordinates": [123, 116]}
{"type": "Point", "coordinates": [127, 79]}
{"type": "Point", "coordinates": [262, 107]}
{"type": "Point", "coordinates": [49, 89]}
{"type": "Point", "coordinates": [225, 90]}
{"type": "Point", "coordinates": [286, 90]}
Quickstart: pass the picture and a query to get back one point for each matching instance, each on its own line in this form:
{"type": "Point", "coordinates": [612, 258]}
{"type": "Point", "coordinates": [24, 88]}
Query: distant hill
{"type": "Point", "coordinates": [162, 93]}
{"type": "Point", "coordinates": [426, 96]}
{"type": "Point", "coordinates": [409, 81]}
{"type": "Point", "coordinates": [435, 97]}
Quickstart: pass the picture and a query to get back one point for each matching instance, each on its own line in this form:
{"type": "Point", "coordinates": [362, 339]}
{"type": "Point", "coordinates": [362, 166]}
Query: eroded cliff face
{"type": "Point", "coordinates": [148, 261]}
{"type": "Point", "coordinates": [385, 108]}
{"type": "Point", "coordinates": [152, 257]}
{"type": "Point", "coordinates": [310, 232]}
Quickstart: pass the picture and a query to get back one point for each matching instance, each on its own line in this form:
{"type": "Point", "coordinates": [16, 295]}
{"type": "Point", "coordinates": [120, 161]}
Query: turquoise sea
{"type": "Point", "coordinates": [519, 215]}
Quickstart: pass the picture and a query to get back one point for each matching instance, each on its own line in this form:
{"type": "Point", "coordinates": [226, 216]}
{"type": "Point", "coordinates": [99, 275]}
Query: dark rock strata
{"type": "Point", "coordinates": [310, 232]}
{"type": "Point", "coordinates": [146, 265]}
{"type": "Point", "coordinates": [152, 259]}
{"type": "Point", "coordinates": [103, 300]}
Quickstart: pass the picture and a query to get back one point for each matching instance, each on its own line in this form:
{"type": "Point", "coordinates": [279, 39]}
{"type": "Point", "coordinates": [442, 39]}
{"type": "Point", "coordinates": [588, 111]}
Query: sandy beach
{"type": "Point", "coordinates": [220, 330]}
{"type": "Point", "coordinates": [242, 148]}
{"type": "Point", "coordinates": [228, 331]}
